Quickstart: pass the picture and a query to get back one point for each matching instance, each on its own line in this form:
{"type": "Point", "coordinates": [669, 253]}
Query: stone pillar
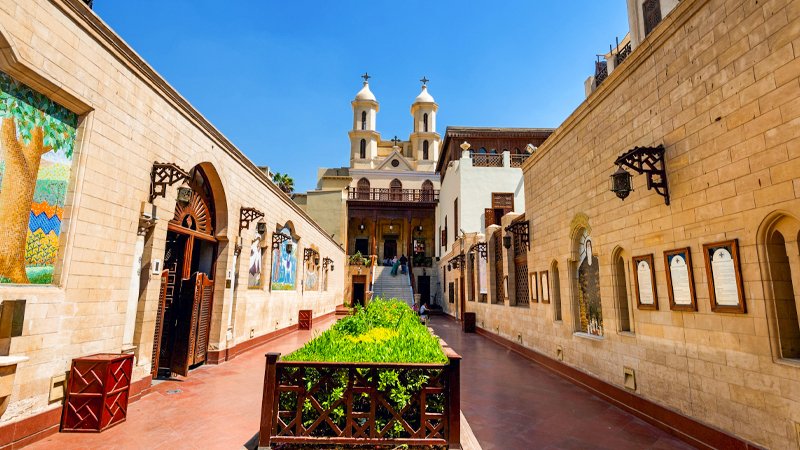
{"type": "Point", "coordinates": [133, 295]}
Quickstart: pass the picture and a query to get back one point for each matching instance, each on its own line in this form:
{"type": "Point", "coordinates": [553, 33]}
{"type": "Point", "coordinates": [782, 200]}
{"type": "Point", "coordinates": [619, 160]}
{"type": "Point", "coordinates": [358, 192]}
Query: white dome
{"type": "Point", "coordinates": [424, 96]}
{"type": "Point", "coordinates": [365, 94]}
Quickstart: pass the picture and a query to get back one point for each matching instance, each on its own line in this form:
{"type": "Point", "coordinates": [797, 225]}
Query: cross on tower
{"type": "Point", "coordinates": [424, 81]}
{"type": "Point", "coordinates": [366, 77]}
{"type": "Point", "coordinates": [395, 140]}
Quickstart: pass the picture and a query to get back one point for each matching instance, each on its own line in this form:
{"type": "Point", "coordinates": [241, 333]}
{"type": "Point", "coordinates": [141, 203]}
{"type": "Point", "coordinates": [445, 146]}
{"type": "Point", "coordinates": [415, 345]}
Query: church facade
{"type": "Point", "coordinates": [382, 205]}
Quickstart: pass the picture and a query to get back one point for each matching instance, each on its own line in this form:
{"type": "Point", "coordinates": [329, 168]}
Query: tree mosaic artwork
{"type": "Point", "coordinates": [37, 138]}
{"type": "Point", "coordinates": [591, 314]}
{"type": "Point", "coordinates": [284, 264]}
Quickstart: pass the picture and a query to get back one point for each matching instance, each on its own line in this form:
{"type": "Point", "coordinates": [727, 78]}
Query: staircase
{"type": "Point", "coordinates": [386, 286]}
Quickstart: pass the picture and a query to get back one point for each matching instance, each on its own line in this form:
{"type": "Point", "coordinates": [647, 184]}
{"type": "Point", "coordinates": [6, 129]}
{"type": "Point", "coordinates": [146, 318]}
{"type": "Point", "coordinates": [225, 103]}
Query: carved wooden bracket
{"type": "Point", "coordinates": [163, 175]}
{"type": "Point", "coordinates": [649, 161]}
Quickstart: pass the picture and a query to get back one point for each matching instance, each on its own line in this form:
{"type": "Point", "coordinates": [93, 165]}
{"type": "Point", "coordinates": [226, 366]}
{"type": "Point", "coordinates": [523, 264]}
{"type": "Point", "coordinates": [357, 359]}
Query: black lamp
{"type": "Point", "coordinates": [621, 183]}
{"type": "Point", "coordinates": [316, 260]}
{"type": "Point", "coordinates": [261, 227]}
{"type": "Point", "coordinates": [184, 194]}
{"type": "Point", "coordinates": [507, 241]}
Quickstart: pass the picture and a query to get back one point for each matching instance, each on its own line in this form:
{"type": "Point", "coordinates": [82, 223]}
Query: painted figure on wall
{"type": "Point", "coordinates": [284, 264]}
{"type": "Point", "coordinates": [254, 272]}
{"type": "Point", "coordinates": [311, 283]}
{"type": "Point", "coordinates": [591, 314]}
{"type": "Point", "coordinates": [37, 137]}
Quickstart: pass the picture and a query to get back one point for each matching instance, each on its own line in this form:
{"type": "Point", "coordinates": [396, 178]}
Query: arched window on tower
{"type": "Point", "coordinates": [362, 152]}
{"type": "Point", "coordinates": [425, 150]}
{"type": "Point", "coordinates": [362, 189]}
{"type": "Point", "coordinates": [425, 122]}
{"type": "Point", "coordinates": [396, 190]}
{"type": "Point", "coordinates": [363, 120]}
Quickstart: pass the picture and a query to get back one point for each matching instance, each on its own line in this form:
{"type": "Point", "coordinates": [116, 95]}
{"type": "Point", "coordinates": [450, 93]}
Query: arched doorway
{"type": "Point", "coordinates": [187, 281]}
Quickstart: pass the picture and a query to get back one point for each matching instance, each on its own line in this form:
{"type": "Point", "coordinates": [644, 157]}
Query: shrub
{"type": "Point", "coordinates": [386, 331]}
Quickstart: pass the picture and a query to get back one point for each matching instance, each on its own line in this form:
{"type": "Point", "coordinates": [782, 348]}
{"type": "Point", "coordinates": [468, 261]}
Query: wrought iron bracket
{"type": "Point", "coordinates": [326, 262]}
{"type": "Point", "coordinates": [309, 253]}
{"type": "Point", "coordinates": [521, 229]}
{"type": "Point", "coordinates": [278, 239]}
{"type": "Point", "coordinates": [481, 249]}
{"type": "Point", "coordinates": [163, 175]}
{"type": "Point", "coordinates": [649, 161]}
{"type": "Point", "coordinates": [247, 215]}
{"type": "Point", "coordinates": [458, 261]}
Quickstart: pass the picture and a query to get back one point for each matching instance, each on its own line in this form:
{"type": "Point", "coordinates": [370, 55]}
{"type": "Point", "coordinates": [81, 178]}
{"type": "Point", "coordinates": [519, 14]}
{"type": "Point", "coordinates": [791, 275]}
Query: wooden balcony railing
{"type": "Point", "coordinates": [393, 195]}
{"type": "Point", "coordinates": [487, 159]}
{"type": "Point", "coordinates": [335, 404]}
{"type": "Point", "coordinates": [518, 159]}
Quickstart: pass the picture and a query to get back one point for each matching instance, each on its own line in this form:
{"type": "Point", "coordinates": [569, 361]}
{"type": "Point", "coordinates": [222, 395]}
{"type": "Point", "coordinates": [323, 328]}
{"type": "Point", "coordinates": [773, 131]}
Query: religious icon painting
{"type": "Point", "coordinates": [680, 279]}
{"type": "Point", "coordinates": [590, 312]}
{"type": "Point", "coordinates": [645, 282]}
{"type": "Point", "coordinates": [724, 277]}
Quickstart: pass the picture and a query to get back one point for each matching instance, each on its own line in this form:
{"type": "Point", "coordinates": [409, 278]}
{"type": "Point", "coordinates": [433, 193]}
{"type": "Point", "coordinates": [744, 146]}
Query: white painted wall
{"type": "Point", "coordinates": [473, 186]}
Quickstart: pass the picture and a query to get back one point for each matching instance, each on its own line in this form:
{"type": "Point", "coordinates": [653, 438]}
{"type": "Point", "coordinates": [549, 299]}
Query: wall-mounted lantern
{"type": "Point", "coordinates": [621, 183]}
{"type": "Point", "coordinates": [419, 229]}
{"type": "Point", "coordinates": [163, 175]}
{"type": "Point", "coordinates": [310, 253]}
{"type": "Point", "coordinates": [289, 247]}
{"type": "Point", "coordinates": [184, 194]}
{"type": "Point", "coordinates": [362, 227]}
{"type": "Point", "coordinates": [261, 227]}
{"type": "Point", "coordinates": [520, 228]}
{"type": "Point", "coordinates": [247, 215]}
{"type": "Point", "coordinates": [646, 160]}
{"type": "Point", "coordinates": [507, 241]}
{"type": "Point", "coordinates": [277, 239]}
{"type": "Point", "coordinates": [316, 260]}
{"type": "Point", "coordinates": [327, 262]}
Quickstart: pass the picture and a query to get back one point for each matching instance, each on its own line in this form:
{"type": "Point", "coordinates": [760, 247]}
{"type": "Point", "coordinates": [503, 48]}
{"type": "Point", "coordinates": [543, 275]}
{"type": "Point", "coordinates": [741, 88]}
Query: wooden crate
{"type": "Point", "coordinates": [305, 320]}
{"type": "Point", "coordinates": [97, 392]}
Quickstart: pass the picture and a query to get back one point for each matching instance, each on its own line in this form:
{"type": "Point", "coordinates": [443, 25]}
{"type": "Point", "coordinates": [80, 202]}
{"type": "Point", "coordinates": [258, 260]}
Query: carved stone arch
{"type": "Point", "coordinates": [778, 239]}
{"type": "Point", "coordinates": [620, 276]}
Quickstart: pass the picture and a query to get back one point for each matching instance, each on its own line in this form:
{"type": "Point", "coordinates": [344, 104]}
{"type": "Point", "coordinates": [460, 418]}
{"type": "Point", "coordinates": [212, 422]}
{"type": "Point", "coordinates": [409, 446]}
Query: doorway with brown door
{"type": "Point", "coordinates": [389, 248]}
{"type": "Point", "coordinates": [359, 290]}
{"type": "Point", "coordinates": [186, 299]}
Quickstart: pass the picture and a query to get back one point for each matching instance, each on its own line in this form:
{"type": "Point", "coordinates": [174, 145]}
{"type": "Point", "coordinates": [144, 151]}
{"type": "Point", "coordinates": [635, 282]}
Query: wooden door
{"type": "Point", "coordinates": [359, 290]}
{"type": "Point", "coordinates": [389, 248]}
{"type": "Point", "coordinates": [188, 314]}
{"type": "Point", "coordinates": [206, 294]}
{"type": "Point", "coordinates": [159, 332]}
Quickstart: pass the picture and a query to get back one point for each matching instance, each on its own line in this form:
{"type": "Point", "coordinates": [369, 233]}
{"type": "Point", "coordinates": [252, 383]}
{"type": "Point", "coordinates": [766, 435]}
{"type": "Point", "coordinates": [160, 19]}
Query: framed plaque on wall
{"type": "Point", "coordinates": [544, 281]}
{"type": "Point", "coordinates": [680, 279]}
{"type": "Point", "coordinates": [533, 287]}
{"type": "Point", "coordinates": [645, 280]}
{"type": "Point", "coordinates": [724, 276]}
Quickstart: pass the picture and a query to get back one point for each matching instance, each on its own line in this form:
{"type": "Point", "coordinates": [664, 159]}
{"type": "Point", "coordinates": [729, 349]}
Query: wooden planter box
{"type": "Point", "coordinates": [97, 392]}
{"type": "Point", "coordinates": [305, 319]}
{"type": "Point", "coordinates": [359, 405]}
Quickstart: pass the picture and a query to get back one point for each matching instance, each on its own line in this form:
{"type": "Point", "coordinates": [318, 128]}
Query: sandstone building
{"type": "Point", "coordinates": [130, 223]}
{"type": "Point", "coordinates": [680, 302]}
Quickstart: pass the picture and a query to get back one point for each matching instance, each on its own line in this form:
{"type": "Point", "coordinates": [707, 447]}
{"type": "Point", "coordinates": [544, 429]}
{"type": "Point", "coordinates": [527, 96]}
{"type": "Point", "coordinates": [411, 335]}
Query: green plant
{"type": "Point", "coordinates": [358, 259]}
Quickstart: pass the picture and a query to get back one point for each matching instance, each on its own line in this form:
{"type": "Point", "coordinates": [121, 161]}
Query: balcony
{"type": "Point", "coordinates": [393, 195]}
{"type": "Point", "coordinates": [496, 159]}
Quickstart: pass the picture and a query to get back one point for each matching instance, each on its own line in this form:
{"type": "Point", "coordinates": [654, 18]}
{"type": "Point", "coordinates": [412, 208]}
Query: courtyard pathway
{"type": "Point", "coordinates": [216, 407]}
{"type": "Point", "coordinates": [513, 403]}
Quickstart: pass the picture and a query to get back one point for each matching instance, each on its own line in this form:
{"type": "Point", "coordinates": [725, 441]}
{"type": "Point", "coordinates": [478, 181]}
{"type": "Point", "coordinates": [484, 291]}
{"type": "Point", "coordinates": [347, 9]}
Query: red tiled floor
{"type": "Point", "coordinates": [513, 403]}
{"type": "Point", "coordinates": [218, 407]}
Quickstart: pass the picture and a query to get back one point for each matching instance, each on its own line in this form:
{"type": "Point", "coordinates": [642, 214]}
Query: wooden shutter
{"type": "Point", "coordinates": [185, 330]}
{"type": "Point", "coordinates": [490, 220]}
{"type": "Point", "coordinates": [206, 294]}
{"type": "Point", "coordinates": [162, 306]}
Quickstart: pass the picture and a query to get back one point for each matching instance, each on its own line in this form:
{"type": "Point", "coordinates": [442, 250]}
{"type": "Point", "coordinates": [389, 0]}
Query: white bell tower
{"type": "Point", "coordinates": [363, 137]}
{"type": "Point", "coordinates": [424, 138]}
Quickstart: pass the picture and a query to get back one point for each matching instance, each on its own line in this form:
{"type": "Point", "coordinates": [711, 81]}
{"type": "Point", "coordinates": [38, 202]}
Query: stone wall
{"type": "Point", "coordinates": [129, 118]}
{"type": "Point", "coordinates": [717, 84]}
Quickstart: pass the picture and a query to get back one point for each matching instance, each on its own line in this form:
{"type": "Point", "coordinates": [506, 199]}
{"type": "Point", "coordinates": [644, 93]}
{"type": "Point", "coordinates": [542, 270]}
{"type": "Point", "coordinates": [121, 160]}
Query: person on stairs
{"type": "Point", "coordinates": [403, 264]}
{"type": "Point", "coordinates": [395, 265]}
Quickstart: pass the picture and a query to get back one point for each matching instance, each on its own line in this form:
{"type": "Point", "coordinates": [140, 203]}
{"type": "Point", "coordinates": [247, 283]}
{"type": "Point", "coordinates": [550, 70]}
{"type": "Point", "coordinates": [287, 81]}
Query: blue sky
{"type": "Point", "coordinates": [277, 77]}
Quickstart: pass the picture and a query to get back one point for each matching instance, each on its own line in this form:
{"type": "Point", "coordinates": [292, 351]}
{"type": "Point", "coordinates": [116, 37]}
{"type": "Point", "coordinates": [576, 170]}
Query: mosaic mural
{"type": "Point", "coordinates": [254, 272]}
{"type": "Point", "coordinates": [37, 138]}
{"type": "Point", "coordinates": [284, 264]}
{"type": "Point", "coordinates": [591, 314]}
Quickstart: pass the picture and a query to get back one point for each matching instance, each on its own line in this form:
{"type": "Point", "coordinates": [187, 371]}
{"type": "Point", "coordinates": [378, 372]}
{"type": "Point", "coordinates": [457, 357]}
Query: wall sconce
{"type": "Point", "coordinates": [184, 194]}
{"type": "Point", "coordinates": [261, 227]}
{"type": "Point", "coordinates": [289, 247]}
{"type": "Point", "coordinates": [362, 227]}
{"type": "Point", "coordinates": [621, 183]}
{"type": "Point", "coordinates": [391, 226]}
{"type": "Point", "coordinates": [419, 228]}
{"type": "Point", "coordinates": [163, 175]}
{"type": "Point", "coordinates": [646, 160]}
{"type": "Point", "coordinates": [449, 268]}
{"type": "Point", "coordinates": [316, 260]}
{"type": "Point", "coordinates": [507, 241]}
